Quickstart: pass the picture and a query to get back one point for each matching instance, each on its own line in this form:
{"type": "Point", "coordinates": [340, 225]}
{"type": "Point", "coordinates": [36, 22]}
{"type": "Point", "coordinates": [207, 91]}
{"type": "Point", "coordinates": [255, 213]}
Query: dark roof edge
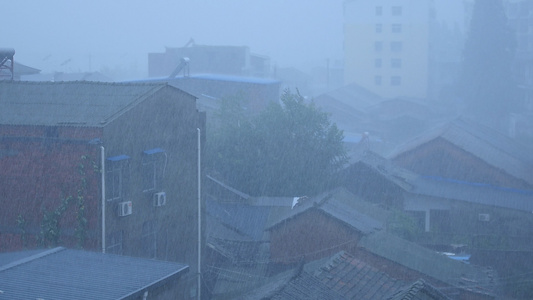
{"type": "Point", "coordinates": [229, 188]}
{"type": "Point", "coordinates": [31, 258]}
{"type": "Point", "coordinates": [174, 275]}
{"type": "Point", "coordinates": [154, 89]}
{"type": "Point", "coordinates": [309, 205]}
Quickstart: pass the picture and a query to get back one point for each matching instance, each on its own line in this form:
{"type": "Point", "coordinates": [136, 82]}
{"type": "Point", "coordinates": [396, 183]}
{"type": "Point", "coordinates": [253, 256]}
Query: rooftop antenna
{"type": "Point", "coordinates": [6, 61]}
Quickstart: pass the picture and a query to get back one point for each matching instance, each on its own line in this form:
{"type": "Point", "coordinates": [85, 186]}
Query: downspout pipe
{"type": "Point", "coordinates": [102, 157]}
{"type": "Point", "coordinates": [199, 216]}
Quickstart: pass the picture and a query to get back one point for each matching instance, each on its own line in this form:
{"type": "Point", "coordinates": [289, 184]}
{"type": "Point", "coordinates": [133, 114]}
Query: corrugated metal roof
{"type": "Point", "coordinates": [61, 273]}
{"type": "Point", "coordinates": [77, 103]}
{"type": "Point", "coordinates": [473, 192]}
{"type": "Point", "coordinates": [245, 219]}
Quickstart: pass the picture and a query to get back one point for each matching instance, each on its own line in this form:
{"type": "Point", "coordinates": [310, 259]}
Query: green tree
{"type": "Point", "coordinates": [487, 85]}
{"type": "Point", "coordinates": [289, 149]}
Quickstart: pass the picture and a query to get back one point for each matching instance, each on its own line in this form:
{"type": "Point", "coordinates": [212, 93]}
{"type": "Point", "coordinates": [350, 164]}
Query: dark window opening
{"type": "Point", "coordinates": [117, 177]}
{"type": "Point", "coordinates": [153, 169]}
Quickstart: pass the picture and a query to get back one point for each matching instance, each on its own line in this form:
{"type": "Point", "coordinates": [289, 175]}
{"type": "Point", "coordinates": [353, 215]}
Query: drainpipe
{"type": "Point", "coordinates": [102, 157]}
{"type": "Point", "coordinates": [199, 217]}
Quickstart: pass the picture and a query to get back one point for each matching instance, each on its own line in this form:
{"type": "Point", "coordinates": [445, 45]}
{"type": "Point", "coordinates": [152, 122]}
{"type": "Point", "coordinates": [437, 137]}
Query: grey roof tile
{"type": "Point", "coordinates": [418, 290]}
{"type": "Point", "coordinates": [353, 278]}
{"type": "Point", "coordinates": [412, 256]}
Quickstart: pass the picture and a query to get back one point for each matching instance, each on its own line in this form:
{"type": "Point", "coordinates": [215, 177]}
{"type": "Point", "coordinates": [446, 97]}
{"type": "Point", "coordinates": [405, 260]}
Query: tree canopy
{"type": "Point", "coordinates": [487, 84]}
{"type": "Point", "coordinates": [289, 149]}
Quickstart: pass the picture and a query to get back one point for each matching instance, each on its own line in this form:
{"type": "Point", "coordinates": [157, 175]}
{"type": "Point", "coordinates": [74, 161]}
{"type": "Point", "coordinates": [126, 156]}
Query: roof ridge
{"type": "Point", "coordinates": [31, 258]}
{"type": "Point", "coordinates": [88, 82]}
{"type": "Point", "coordinates": [331, 263]}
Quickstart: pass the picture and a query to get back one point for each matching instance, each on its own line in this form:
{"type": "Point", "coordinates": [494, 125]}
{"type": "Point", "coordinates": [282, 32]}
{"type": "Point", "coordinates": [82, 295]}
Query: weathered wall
{"type": "Point", "coordinates": [309, 236]}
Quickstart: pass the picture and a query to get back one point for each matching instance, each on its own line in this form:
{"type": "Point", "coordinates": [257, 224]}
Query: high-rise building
{"type": "Point", "coordinates": [387, 46]}
{"type": "Point", "coordinates": [520, 20]}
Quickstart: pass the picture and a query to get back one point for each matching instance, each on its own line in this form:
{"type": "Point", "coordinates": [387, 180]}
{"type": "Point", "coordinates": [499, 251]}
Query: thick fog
{"type": "Point", "coordinates": [73, 36]}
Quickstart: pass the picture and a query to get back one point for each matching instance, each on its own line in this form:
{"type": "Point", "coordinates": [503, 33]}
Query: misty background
{"type": "Point", "coordinates": [81, 36]}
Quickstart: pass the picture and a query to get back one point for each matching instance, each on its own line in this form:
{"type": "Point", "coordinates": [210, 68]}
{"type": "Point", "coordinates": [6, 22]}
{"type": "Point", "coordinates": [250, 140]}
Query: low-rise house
{"type": "Point", "coordinates": [445, 206]}
{"type": "Point", "coordinates": [103, 166]}
{"type": "Point", "coordinates": [465, 151]}
{"type": "Point", "coordinates": [376, 179]}
{"type": "Point", "coordinates": [60, 273]}
{"type": "Point", "coordinates": [409, 262]}
{"type": "Point", "coordinates": [330, 223]}
{"type": "Point", "coordinates": [321, 226]}
{"type": "Point", "coordinates": [440, 205]}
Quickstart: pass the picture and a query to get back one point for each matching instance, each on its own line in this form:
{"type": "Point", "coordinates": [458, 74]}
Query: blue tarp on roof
{"type": "Point", "coordinates": [118, 157]}
{"type": "Point", "coordinates": [153, 151]}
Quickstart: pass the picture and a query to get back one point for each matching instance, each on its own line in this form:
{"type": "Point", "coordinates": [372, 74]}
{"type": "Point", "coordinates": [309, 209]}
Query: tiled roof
{"type": "Point", "coordinates": [61, 273]}
{"type": "Point", "coordinates": [305, 286]}
{"type": "Point", "coordinates": [340, 276]}
{"type": "Point", "coordinates": [429, 263]}
{"type": "Point", "coordinates": [354, 279]}
{"type": "Point", "coordinates": [418, 290]}
{"type": "Point", "coordinates": [77, 103]}
{"type": "Point", "coordinates": [293, 285]}
{"type": "Point", "coordinates": [487, 144]}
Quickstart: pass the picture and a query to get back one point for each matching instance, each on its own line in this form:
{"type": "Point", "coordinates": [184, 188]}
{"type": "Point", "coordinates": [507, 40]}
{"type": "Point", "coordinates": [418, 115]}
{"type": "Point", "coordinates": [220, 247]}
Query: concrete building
{"type": "Point", "coordinates": [387, 46]}
{"type": "Point", "coordinates": [101, 166]}
{"type": "Point", "coordinates": [227, 60]}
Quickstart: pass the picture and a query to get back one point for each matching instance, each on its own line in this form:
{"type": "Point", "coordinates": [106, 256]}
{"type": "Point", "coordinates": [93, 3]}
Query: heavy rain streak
{"type": "Point", "coordinates": [342, 149]}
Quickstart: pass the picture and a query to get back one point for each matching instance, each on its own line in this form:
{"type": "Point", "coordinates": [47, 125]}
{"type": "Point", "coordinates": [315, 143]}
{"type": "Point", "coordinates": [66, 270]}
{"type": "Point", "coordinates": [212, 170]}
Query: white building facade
{"type": "Point", "coordinates": [387, 46]}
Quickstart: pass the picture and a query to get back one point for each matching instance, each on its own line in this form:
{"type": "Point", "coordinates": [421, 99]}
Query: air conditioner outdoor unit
{"type": "Point", "coordinates": [124, 209]}
{"type": "Point", "coordinates": [484, 217]}
{"type": "Point", "coordinates": [160, 199]}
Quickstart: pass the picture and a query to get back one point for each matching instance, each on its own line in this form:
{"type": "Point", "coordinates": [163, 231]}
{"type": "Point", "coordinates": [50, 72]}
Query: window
{"type": "Point", "coordinates": [378, 46]}
{"type": "Point", "coordinates": [115, 240]}
{"type": "Point", "coordinates": [153, 168]}
{"type": "Point", "coordinates": [377, 63]}
{"type": "Point", "coordinates": [377, 80]}
{"type": "Point", "coordinates": [149, 239]}
{"type": "Point", "coordinates": [396, 10]}
{"type": "Point", "coordinates": [379, 10]}
{"type": "Point", "coordinates": [117, 175]}
{"type": "Point", "coordinates": [395, 80]}
{"type": "Point", "coordinates": [396, 28]}
{"type": "Point", "coordinates": [379, 28]}
{"type": "Point", "coordinates": [396, 63]}
{"type": "Point", "coordinates": [396, 46]}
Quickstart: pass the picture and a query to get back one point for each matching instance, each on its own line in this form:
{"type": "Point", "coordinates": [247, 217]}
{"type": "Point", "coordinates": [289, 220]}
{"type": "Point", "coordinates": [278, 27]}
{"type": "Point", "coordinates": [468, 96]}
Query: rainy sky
{"type": "Point", "coordinates": [76, 35]}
